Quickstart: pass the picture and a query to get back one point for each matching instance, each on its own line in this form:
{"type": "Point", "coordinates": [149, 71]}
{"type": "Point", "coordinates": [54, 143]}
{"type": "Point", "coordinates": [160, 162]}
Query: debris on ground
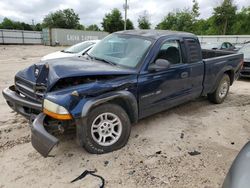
{"type": "Point", "coordinates": [92, 173]}
{"type": "Point", "coordinates": [158, 152]}
{"type": "Point", "coordinates": [193, 153]}
{"type": "Point", "coordinates": [106, 163]}
{"type": "Point", "coordinates": [182, 135]}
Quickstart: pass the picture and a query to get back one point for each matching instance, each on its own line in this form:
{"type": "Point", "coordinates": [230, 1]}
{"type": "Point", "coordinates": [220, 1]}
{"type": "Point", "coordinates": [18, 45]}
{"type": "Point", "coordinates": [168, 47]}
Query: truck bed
{"type": "Point", "coordinates": [216, 63]}
{"type": "Point", "coordinates": [207, 54]}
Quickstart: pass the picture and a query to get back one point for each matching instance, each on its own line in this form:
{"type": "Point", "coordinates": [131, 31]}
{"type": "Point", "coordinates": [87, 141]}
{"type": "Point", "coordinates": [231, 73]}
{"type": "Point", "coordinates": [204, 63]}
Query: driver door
{"type": "Point", "coordinates": [162, 89]}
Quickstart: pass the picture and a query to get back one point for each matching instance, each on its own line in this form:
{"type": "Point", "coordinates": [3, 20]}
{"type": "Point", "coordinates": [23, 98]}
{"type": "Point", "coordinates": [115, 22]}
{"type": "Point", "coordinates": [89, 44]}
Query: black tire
{"type": "Point", "coordinates": [88, 141]}
{"type": "Point", "coordinates": [216, 97]}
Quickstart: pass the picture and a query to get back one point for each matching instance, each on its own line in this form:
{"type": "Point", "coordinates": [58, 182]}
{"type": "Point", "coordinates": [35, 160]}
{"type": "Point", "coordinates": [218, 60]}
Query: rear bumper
{"type": "Point", "coordinates": [41, 140]}
{"type": "Point", "coordinates": [20, 104]}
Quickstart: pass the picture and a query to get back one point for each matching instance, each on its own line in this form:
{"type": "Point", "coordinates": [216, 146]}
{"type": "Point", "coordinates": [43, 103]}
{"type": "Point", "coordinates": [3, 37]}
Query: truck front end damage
{"type": "Point", "coordinates": [41, 140]}
{"type": "Point", "coordinates": [52, 96]}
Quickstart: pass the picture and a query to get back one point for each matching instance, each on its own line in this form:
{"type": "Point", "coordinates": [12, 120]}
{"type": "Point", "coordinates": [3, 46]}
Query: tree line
{"type": "Point", "coordinates": [225, 19]}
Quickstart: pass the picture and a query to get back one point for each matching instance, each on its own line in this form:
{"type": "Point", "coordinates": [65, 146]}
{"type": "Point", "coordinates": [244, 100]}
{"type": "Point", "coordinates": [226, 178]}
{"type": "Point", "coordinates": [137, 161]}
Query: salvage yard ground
{"type": "Point", "coordinates": [158, 151]}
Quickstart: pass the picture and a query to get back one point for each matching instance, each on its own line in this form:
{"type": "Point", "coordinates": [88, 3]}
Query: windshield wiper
{"type": "Point", "coordinates": [105, 61]}
{"type": "Point", "coordinates": [88, 55]}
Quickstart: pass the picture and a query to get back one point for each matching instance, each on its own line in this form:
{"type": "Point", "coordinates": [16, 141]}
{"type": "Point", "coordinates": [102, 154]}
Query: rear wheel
{"type": "Point", "coordinates": [219, 95]}
{"type": "Point", "coordinates": [108, 129]}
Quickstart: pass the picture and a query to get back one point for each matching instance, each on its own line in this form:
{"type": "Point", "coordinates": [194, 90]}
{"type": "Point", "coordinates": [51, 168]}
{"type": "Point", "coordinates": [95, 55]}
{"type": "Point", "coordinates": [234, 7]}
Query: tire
{"type": "Point", "coordinates": [99, 125]}
{"type": "Point", "coordinates": [219, 95]}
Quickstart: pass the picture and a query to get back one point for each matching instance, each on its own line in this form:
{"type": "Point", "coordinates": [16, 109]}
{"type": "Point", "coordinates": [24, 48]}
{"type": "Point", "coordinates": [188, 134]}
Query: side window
{"type": "Point", "coordinates": [170, 50]}
{"type": "Point", "coordinates": [193, 50]}
{"type": "Point", "coordinates": [224, 46]}
{"type": "Point", "coordinates": [229, 45]}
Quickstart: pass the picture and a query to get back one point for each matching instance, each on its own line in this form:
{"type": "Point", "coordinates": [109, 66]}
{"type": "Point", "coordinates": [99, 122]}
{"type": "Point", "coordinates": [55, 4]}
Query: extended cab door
{"type": "Point", "coordinates": [162, 89]}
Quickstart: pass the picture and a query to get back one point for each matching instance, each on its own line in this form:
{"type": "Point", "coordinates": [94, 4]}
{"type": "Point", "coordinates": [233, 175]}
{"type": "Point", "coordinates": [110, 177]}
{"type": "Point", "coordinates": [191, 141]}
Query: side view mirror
{"type": "Point", "coordinates": [160, 64]}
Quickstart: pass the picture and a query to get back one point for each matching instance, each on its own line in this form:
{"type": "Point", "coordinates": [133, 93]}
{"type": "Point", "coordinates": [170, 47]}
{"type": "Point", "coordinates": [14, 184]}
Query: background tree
{"type": "Point", "coordinates": [143, 21]}
{"type": "Point", "coordinates": [38, 27]}
{"type": "Point", "coordinates": [224, 16]}
{"type": "Point", "coordinates": [93, 27]}
{"type": "Point", "coordinates": [181, 20]}
{"type": "Point", "coordinates": [66, 18]}
{"type": "Point", "coordinates": [241, 26]}
{"type": "Point", "coordinates": [129, 24]}
{"type": "Point", "coordinates": [10, 24]}
{"type": "Point", "coordinates": [195, 10]}
{"type": "Point", "coordinates": [113, 21]}
{"type": "Point", "coordinates": [7, 24]}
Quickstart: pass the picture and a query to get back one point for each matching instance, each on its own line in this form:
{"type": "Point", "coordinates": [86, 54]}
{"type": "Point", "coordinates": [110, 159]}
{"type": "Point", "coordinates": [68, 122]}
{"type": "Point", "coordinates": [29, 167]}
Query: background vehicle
{"type": "Point", "coordinates": [75, 50]}
{"type": "Point", "coordinates": [245, 72]}
{"type": "Point", "coordinates": [239, 174]}
{"type": "Point", "coordinates": [219, 46]}
{"type": "Point", "coordinates": [127, 76]}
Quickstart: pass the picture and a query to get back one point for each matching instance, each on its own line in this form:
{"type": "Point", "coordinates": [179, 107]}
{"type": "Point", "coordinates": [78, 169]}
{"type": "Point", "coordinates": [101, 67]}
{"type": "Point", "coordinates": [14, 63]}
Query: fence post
{"type": "Point", "coordinates": [2, 37]}
{"type": "Point", "coordinates": [23, 36]}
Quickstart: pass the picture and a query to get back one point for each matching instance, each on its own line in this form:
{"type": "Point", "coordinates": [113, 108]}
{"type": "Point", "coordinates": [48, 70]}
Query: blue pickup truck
{"type": "Point", "coordinates": [127, 76]}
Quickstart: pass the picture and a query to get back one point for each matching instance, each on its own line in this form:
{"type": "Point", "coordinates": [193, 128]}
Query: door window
{"type": "Point", "coordinates": [170, 51]}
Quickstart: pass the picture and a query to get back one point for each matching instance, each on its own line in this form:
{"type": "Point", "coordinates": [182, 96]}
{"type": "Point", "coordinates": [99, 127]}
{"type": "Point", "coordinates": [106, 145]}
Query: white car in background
{"type": "Point", "coordinates": [75, 50]}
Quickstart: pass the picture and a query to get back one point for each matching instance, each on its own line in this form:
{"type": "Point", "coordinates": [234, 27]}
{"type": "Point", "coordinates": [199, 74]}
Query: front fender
{"type": "Point", "coordinates": [127, 96]}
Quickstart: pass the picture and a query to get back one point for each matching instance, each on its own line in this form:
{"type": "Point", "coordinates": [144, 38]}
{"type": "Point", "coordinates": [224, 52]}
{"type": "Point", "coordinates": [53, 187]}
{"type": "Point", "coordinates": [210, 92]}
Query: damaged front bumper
{"type": "Point", "coordinates": [41, 140]}
{"type": "Point", "coordinates": [20, 104]}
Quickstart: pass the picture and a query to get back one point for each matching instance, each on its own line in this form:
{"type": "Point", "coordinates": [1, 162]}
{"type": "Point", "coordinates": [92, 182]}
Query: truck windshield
{"type": "Point", "coordinates": [124, 50]}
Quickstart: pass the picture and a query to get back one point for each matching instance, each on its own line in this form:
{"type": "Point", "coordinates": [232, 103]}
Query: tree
{"type": "Point", "coordinates": [181, 20]}
{"type": "Point", "coordinates": [242, 25]}
{"type": "Point", "coordinates": [7, 24]}
{"type": "Point", "coordinates": [129, 24]}
{"type": "Point", "coordinates": [10, 24]}
{"type": "Point", "coordinates": [66, 18]}
{"type": "Point", "coordinates": [113, 21]}
{"type": "Point", "coordinates": [143, 21]}
{"type": "Point", "coordinates": [224, 16]}
{"type": "Point", "coordinates": [93, 27]}
{"type": "Point", "coordinates": [80, 27]}
{"type": "Point", "coordinates": [38, 27]}
{"type": "Point", "coordinates": [195, 10]}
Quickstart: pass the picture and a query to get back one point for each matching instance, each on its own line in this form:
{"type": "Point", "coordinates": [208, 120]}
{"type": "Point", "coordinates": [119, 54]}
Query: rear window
{"type": "Point", "coordinates": [193, 50]}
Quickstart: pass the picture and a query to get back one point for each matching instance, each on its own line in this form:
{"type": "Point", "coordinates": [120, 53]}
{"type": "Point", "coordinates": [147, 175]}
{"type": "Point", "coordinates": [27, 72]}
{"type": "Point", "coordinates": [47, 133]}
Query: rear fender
{"type": "Point", "coordinates": [219, 77]}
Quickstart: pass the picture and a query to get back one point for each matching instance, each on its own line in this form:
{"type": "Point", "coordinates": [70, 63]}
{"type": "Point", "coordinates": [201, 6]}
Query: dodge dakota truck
{"type": "Point", "coordinates": [127, 76]}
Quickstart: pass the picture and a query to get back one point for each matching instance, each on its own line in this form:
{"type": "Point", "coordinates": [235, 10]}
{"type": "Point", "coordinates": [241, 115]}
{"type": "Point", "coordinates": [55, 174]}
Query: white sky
{"type": "Point", "coordinates": [92, 11]}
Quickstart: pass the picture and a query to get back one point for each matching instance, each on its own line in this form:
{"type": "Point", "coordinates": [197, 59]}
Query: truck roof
{"type": "Point", "coordinates": [155, 34]}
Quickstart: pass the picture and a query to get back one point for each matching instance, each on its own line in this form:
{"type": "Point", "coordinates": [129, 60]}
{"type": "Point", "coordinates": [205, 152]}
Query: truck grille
{"type": "Point", "coordinates": [30, 90]}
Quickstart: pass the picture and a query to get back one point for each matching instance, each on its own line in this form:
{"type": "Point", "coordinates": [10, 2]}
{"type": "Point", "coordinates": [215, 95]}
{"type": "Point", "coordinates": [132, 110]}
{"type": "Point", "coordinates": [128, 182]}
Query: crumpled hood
{"type": "Point", "coordinates": [50, 71]}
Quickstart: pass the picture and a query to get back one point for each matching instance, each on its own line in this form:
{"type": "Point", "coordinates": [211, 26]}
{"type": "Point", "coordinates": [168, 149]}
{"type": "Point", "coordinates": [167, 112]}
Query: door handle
{"type": "Point", "coordinates": [184, 74]}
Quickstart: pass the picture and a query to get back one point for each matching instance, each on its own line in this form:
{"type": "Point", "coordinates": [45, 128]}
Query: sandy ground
{"type": "Point", "coordinates": [157, 152]}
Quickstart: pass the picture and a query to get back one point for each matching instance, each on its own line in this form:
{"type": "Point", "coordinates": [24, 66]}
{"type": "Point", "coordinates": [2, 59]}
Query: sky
{"type": "Point", "coordinates": [93, 11]}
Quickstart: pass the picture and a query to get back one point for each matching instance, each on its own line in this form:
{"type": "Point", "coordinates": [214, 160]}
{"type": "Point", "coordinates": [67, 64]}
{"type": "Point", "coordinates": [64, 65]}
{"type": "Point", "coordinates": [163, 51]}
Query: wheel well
{"type": "Point", "coordinates": [127, 107]}
{"type": "Point", "coordinates": [230, 73]}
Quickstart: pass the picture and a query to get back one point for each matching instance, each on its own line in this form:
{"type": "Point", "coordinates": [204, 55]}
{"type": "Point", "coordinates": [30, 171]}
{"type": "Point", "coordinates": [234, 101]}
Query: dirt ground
{"type": "Point", "coordinates": [157, 154]}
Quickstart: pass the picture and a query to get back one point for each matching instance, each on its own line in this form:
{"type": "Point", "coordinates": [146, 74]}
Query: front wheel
{"type": "Point", "coordinates": [108, 129]}
{"type": "Point", "coordinates": [219, 95]}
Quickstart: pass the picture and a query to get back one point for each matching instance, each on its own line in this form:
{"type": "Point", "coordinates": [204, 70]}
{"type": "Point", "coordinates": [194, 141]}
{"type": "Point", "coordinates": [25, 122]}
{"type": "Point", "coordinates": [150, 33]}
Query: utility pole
{"type": "Point", "coordinates": [125, 6]}
{"type": "Point", "coordinates": [33, 24]}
